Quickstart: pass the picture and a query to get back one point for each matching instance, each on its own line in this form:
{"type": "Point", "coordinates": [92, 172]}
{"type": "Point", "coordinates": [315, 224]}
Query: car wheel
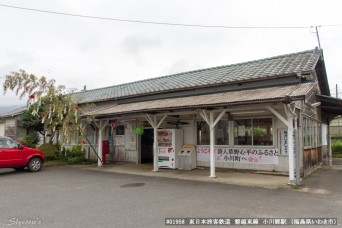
{"type": "Point", "coordinates": [35, 165]}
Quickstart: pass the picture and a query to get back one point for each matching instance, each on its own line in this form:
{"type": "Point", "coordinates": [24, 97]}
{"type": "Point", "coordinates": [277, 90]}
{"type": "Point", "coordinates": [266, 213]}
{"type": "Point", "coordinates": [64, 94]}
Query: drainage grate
{"type": "Point", "coordinates": [133, 185]}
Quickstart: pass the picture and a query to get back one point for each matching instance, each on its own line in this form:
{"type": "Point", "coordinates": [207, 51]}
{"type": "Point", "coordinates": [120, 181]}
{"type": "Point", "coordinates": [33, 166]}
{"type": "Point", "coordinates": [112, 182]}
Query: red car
{"type": "Point", "coordinates": [16, 156]}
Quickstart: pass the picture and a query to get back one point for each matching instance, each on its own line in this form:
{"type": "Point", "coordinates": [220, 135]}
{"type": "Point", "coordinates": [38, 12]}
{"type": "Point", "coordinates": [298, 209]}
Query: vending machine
{"type": "Point", "coordinates": [170, 141]}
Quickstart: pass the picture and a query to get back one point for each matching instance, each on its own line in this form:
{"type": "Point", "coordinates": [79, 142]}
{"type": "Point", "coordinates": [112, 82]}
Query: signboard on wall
{"type": "Point", "coordinates": [283, 142]}
{"type": "Point", "coordinates": [119, 140]}
{"type": "Point", "coordinates": [239, 155]}
{"type": "Point", "coordinates": [131, 137]}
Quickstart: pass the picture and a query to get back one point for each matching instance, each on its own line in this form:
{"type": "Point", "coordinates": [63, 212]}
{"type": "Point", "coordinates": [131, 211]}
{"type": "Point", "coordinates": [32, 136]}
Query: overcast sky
{"type": "Point", "coordinates": [97, 53]}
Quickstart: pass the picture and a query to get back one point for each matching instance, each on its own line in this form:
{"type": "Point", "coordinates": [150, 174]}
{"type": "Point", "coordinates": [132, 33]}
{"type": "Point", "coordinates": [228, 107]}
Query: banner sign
{"type": "Point", "coordinates": [239, 155]}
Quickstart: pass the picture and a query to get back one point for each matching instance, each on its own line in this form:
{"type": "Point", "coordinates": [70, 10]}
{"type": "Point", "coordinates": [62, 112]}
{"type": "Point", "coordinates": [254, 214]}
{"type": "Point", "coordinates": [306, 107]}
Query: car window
{"type": "Point", "coordinates": [2, 143]}
{"type": "Point", "coordinates": [8, 144]}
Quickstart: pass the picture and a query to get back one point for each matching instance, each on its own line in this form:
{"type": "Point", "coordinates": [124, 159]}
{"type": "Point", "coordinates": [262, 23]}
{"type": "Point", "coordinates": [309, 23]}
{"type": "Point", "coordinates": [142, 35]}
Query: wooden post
{"type": "Point", "coordinates": [212, 123]}
{"type": "Point", "coordinates": [99, 146]}
{"type": "Point", "coordinates": [212, 144]}
{"type": "Point", "coordinates": [291, 149]}
{"type": "Point", "coordinates": [100, 128]}
{"type": "Point", "coordinates": [289, 123]}
{"type": "Point", "coordinates": [152, 119]}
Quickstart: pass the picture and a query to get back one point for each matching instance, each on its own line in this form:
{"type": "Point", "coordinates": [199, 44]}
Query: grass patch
{"type": "Point", "coordinates": [306, 176]}
{"type": "Point", "coordinates": [337, 155]}
{"type": "Point", "coordinates": [60, 162]}
{"type": "Point", "coordinates": [55, 163]}
{"type": "Point", "coordinates": [294, 187]}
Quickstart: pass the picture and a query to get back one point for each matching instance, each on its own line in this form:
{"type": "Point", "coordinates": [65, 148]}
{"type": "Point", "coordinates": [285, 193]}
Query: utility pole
{"type": "Point", "coordinates": [319, 42]}
{"type": "Point", "coordinates": [336, 91]}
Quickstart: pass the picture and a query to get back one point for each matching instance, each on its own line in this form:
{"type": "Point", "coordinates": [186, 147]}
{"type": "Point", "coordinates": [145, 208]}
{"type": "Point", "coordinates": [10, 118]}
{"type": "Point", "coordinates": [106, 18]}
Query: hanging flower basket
{"type": "Point", "coordinates": [139, 130]}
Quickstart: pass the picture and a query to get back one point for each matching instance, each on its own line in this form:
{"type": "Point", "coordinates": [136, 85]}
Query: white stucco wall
{"type": "Point", "coordinates": [2, 129]}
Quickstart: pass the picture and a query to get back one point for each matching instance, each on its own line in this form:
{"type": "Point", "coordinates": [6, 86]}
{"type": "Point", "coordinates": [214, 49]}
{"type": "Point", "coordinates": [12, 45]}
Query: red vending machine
{"type": "Point", "coordinates": [105, 150]}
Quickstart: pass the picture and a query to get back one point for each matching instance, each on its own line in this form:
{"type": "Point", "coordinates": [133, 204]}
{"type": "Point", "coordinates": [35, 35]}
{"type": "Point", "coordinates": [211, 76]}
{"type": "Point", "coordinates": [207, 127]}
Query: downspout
{"type": "Point", "coordinates": [329, 144]}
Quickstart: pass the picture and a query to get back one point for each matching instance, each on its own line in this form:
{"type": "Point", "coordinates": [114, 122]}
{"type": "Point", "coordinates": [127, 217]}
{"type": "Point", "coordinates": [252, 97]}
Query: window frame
{"type": "Point", "coordinates": [311, 131]}
{"type": "Point", "coordinates": [250, 146]}
{"type": "Point", "coordinates": [232, 136]}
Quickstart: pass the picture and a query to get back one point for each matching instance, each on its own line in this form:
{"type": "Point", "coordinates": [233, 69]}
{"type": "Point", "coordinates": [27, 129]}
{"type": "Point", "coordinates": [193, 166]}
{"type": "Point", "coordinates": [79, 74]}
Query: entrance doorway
{"type": "Point", "coordinates": [147, 146]}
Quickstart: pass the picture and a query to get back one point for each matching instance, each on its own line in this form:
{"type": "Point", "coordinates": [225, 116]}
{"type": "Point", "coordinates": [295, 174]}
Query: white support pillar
{"type": "Point", "coordinates": [100, 128]}
{"type": "Point", "coordinates": [99, 147]}
{"type": "Point", "coordinates": [291, 149]}
{"type": "Point", "coordinates": [212, 144]}
{"type": "Point", "coordinates": [152, 119]}
{"type": "Point", "coordinates": [212, 123]}
{"type": "Point", "coordinates": [289, 123]}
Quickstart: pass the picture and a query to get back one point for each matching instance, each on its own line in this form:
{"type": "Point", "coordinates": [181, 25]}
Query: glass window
{"type": "Point", "coordinates": [203, 134]}
{"type": "Point", "coordinates": [262, 132]}
{"type": "Point", "coordinates": [90, 133]}
{"type": "Point", "coordinates": [314, 127]}
{"type": "Point", "coordinates": [319, 132]}
{"type": "Point", "coordinates": [8, 144]}
{"type": "Point", "coordinates": [120, 130]}
{"type": "Point", "coordinates": [312, 133]}
{"type": "Point", "coordinates": [242, 132]}
{"type": "Point", "coordinates": [222, 132]}
{"type": "Point", "coordinates": [257, 132]}
{"type": "Point", "coordinates": [306, 133]}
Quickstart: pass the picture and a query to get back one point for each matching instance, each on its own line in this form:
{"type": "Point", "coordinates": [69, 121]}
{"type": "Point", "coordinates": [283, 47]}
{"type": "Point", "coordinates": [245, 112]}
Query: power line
{"type": "Point", "coordinates": [159, 23]}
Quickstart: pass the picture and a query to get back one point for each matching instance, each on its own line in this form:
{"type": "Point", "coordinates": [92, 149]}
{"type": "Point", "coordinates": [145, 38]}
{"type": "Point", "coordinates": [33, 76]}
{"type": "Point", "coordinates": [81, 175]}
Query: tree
{"type": "Point", "coordinates": [48, 104]}
{"type": "Point", "coordinates": [30, 122]}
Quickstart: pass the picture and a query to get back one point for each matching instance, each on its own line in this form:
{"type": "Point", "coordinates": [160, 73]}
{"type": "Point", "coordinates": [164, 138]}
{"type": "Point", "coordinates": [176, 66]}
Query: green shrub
{"type": "Point", "coordinates": [77, 151]}
{"type": "Point", "coordinates": [30, 140]}
{"type": "Point", "coordinates": [75, 156]}
{"type": "Point", "coordinates": [75, 160]}
{"type": "Point", "coordinates": [336, 147]}
{"type": "Point", "coordinates": [49, 150]}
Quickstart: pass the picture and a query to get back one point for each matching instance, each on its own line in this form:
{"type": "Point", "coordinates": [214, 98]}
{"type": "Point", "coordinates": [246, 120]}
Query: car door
{"type": "Point", "coordinates": [3, 154]}
{"type": "Point", "coordinates": [11, 154]}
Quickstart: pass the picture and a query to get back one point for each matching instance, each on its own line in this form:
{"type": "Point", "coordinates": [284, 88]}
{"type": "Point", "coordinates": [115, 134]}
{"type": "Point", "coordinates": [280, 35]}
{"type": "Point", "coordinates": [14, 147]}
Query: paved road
{"type": "Point", "coordinates": [73, 197]}
{"type": "Point", "coordinates": [337, 161]}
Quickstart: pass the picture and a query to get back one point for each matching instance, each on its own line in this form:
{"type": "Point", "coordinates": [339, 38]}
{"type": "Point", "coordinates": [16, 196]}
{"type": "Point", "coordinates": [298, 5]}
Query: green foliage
{"type": "Point", "coordinates": [49, 104]}
{"type": "Point", "coordinates": [139, 130]}
{"type": "Point", "coordinates": [337, 155]}
{"type": "Point", "coordinates": [336, 147]}
{"type": "Point", "coordinates": [49, 150]}
{"type": "Point", "coordinates": [75, 160]}
{"type": "Point", "coordinates": [77, 151]}
{"type": "Point", "coordinates": [30, 140]}
{"type": "Point", "coordinates": [259, 131]}
{"type": "Point", "coordinates": [31, 122]}
{"type": "Point", "coordinates": [75, 156]}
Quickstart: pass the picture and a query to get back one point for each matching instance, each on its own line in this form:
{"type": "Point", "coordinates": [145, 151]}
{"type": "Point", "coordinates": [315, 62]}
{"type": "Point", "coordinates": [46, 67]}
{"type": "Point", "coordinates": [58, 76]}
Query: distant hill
{"type": "Point", "coordinates": [4, 109]}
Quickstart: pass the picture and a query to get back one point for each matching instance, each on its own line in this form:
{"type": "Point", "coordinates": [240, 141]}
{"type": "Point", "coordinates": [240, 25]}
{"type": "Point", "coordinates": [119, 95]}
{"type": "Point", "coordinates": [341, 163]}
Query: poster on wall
{"type": "Point", "coordinates": [239, 155]}
{"type": "Point", "coordinates": [119, 140]}
{"type": "Point", "coordinates": [131, 137]}
{"type": "Point", "coordinates": [283, 140]}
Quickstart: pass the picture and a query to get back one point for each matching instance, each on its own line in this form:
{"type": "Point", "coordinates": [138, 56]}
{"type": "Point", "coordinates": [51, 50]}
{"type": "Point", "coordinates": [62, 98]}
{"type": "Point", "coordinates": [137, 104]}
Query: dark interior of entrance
{"type": "Point", "coordinates": [147, 146]}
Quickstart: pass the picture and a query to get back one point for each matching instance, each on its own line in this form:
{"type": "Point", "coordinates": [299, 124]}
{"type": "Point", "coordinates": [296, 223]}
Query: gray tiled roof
{"type": "Point", "coordinates": [278, 66]}
{"type": "Point", "coordinates": [252, 96]}
{"type": "Point", "coordinates": [14, 112]}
